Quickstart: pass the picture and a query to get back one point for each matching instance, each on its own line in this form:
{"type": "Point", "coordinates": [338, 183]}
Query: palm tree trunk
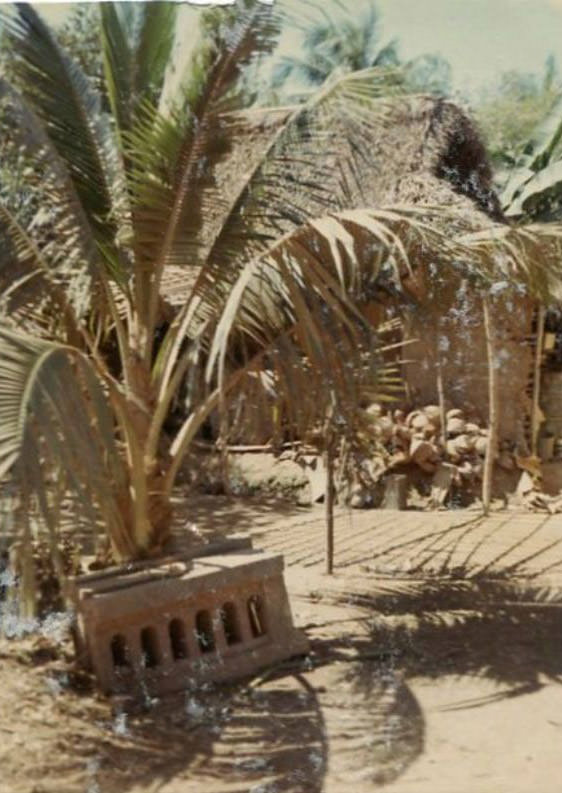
{"type": "Point", "coordinates": [492, 408]}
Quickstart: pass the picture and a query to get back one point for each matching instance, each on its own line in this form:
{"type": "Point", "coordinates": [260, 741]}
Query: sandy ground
{"type": "Point", "coordinates": [411, 685]}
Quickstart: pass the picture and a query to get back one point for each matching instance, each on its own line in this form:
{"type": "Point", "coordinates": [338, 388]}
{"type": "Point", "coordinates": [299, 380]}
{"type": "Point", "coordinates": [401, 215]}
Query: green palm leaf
{"type": "Point", "coordinates": [541, 194]}
{"type": "Point", "coordinates": [64, 100]}
{"type": "Point", "coordinates": [137, 41]}
{"type": "Point", "coordinates": [53, 413]}
{"type": "Point", "coordinates": [531, 173]}
{"type": "Point", "coordinates": [48, 180]}
{"type": "Point", "coordinates": [172, 154]}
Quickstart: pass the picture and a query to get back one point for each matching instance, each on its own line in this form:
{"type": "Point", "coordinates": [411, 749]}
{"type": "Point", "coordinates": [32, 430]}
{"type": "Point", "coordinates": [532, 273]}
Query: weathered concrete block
{"type": "Point", "coordinates": [183, 622]}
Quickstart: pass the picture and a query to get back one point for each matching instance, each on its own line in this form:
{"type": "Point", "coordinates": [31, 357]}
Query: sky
{"type": "Point", "coordinates": [480, 38]}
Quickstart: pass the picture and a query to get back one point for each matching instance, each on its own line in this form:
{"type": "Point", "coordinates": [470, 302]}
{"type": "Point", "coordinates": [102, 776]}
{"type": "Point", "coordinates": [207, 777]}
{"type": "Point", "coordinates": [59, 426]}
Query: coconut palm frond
{"type": "Point", "coordinates": [54, 410]}
{"type": "Point", "coordinates": [291, 311]}
{"type": "Point", "coordinates": [330, 260]}
{"type": "Point", "coordinates": [528, 257]}
{"type": "Point", "coordinates": [61, 95]}
{"type": "Point", "coordinates": [311, 166]}
{"type": "Point", "coordinates": [28, 284]}
{"type": "Point", "coordinates": [231, 39]}
{"type": "Point", "coordinates": [22, 265]}
{"type": "Point", "coordinates": [137, 41]}
{"type": "Point", "coordinates": [57, 205]}
{"type": "Point", "coordinates": [300, 174]}
{"type": "Point", "coordinates": [335, 44]}
{"type": "Point", "coordinates": [173, 154]}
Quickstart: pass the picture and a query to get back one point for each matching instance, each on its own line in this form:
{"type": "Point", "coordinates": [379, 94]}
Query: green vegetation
{"type": "Point", "coordinates": [521, 120]}
{"type": "Point", "coordinates": [92, 355]}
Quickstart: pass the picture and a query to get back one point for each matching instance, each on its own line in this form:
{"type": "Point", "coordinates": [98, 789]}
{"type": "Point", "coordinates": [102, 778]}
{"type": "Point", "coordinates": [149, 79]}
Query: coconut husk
{"type": "Point", "coordinates": [384, 428]}
{"type": "Point", "coordinates": [455, 426]}
{"type": "Point", "coordinates": [411, 416]}
{"type": "Point", "coordinates": [463, 444]}
{"type": "Point", "coordinates": [375, 410]}
{"type": "Point", "coordinates": [471, 428]}
{"type": "Point", "coordinates": [481, 445]}
{"type": "Point", "coordinates": [433, 412]}
{"type": "Point", "coordinates": [424, 454]}
{"type": "Point", "coordinates": [419, 422]}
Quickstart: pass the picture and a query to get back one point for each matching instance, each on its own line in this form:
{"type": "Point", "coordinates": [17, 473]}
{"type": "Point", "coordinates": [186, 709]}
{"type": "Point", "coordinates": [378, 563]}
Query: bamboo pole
{"type": "Point", "coordinates": [441, 398]}
{"type": "Point", "coordinates": [329, 505]}
{"type": "Point", "coordinates": [535, 423]}
{"type": "Point", "coordinates": [492, 408]}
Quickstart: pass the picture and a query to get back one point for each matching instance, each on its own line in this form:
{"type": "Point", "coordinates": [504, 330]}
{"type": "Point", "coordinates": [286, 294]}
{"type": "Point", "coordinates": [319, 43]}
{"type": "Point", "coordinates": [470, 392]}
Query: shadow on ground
{"type": "Point", "coordinates": [262, 736]}
{"type": "Point", "coordinates": [348, 709]}
{"type": "Point", "coordinates": [222, 515]}
{"type": "Point", "coordinates": [506, 632]}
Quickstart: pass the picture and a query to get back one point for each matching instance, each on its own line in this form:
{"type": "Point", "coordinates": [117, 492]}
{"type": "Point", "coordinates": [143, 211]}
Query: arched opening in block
{"type": "Point", "coordinates": [230, 623]}
{"type": "Point", "coordinates": [119, 650]}
{"type": "Point", "coordinates": [256, 615]}
{"type": "Point", "coordinates": [204, 631]}
{"type": "Point", "coordinates": [178, 639]}
{"type": "Point", "coordinates": [150, 647]}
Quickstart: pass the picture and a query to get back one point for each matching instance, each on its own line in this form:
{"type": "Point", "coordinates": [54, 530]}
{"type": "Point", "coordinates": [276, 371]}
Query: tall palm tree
{"type": "Point", "coordinates": [342, 40]}
{"type": "Point", "coordinates": [336, 43]}
{"type": "Point", "coordinates": [92, 355]}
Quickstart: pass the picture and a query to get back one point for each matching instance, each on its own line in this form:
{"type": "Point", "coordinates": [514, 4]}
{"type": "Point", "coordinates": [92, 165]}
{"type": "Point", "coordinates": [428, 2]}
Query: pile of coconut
{"type": "Point", "coordinates": [449, 449]}
{"type": "Point", "coordinates": [419, 438]}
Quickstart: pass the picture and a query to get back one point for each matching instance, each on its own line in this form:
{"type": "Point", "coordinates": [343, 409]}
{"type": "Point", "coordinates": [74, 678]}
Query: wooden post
{"type": "Point", "coordinates": [492, 408]}
{"type": "Point", "coordinates": [535, 423]}
{"type": "Point", "coordinates": [329, 504]}
{"type": "Point", "coordinates": [441, 397]}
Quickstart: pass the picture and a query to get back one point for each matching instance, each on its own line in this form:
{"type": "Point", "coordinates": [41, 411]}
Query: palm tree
{"type": "Point", "coordinates": [336, 44]}
{"type": "Point", "coordinates": [92, 355]}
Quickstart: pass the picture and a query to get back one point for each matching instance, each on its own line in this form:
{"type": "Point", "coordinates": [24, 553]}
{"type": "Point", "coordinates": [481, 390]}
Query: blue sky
{"type": "Point", "coordinates": [480, 38]}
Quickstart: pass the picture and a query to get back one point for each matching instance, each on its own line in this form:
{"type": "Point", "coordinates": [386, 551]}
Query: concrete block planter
{"type": "Point", "coordinates": [180, 622]}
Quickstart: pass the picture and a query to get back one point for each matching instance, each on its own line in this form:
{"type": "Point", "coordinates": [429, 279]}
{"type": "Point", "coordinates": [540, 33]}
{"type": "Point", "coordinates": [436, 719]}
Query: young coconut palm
{"type": "Point", "coordinates": [92, 355]}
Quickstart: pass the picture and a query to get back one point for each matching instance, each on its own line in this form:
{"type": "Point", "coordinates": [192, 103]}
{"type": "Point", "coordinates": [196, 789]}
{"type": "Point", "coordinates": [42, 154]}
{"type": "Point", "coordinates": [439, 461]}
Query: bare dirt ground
{"type": "Point", "coordinates": [435, 668]}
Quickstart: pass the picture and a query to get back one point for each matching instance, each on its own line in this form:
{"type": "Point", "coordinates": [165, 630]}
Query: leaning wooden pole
{"type": "Point", "coordinates": [535, 415]}
{"type": "Point", "coordinates": [442, 411]}
{"type": "Point", "coordinates": [329, 504]}
{"type": "Point", "coordinates": [492, 407]}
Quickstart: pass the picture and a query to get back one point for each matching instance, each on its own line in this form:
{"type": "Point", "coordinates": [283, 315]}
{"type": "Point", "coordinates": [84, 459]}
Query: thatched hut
{"type": "Point", "coordinates": [430, 153]}
{"type": "Point", "coordinates": [427, 152]}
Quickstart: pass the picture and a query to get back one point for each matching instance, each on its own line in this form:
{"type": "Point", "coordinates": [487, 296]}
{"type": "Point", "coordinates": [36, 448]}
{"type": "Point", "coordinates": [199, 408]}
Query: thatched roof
{"type": "Point", "coordinates": [427, 151]}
